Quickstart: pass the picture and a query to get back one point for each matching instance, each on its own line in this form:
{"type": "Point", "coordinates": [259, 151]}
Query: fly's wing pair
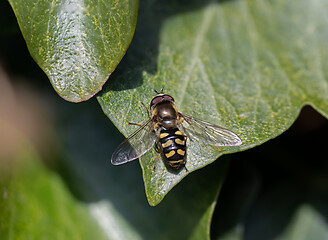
{"type": "Point", "coordinates": [202, 133]}
{"type": "Point", "coordinates": [205, 133]}
{"type": "Point", "coordinates": [136, 145]}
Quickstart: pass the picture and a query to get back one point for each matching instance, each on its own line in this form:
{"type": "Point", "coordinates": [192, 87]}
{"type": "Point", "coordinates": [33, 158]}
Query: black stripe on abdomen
{"type": "Point", "coordinates": [173, 146]}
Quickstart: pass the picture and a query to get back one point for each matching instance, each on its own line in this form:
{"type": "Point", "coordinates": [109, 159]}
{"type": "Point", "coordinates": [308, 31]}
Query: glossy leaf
{"type": "Point", "coordinates": [115, 195]}
{"type": "Point", "coordinates": [82, 177]}
{"type": "Point", "coordinates": [248, 66]}
{"type": "Point", "coordinates": [78, 44]}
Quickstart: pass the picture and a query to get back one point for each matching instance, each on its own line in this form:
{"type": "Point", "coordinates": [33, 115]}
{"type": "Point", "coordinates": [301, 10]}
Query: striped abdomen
{"type": "Point", "coordinates": [172, 143]}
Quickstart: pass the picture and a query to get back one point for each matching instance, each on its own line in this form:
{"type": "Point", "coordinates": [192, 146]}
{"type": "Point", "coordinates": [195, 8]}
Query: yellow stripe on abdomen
{"type": "Point", "coordinates": [178, 133]}
{"type": "Point", "coordinates": [170, 154]}
{"type": "Point", "coordinates": [181, 152]}
{"type": "Point", "coordinates": [179, 141]}
{"type": "Point", "coordinates": [166, 144]}
{"type": "Point", "coordinates": [163, 135]}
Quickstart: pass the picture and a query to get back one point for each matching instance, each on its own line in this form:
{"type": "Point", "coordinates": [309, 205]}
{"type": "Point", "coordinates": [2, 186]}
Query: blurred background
{"type": "Point", "coordinates": [271, 191]}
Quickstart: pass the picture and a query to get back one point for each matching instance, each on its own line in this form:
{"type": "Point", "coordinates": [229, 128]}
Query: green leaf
{"type": "Point", "coordinates": [248, 66]}
{"type": "Point", "coordinates": [115, 195]}
{"type": "Point", "coordinates": [78, 44]}
{"type": "Point", "coordinates": [35, 203]}
{"type": "Point", "coordinates": [306, 224]}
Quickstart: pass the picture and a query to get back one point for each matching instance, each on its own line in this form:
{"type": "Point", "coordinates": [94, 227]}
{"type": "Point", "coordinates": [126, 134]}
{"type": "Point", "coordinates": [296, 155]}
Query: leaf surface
{"type": "Point", "coordinates": [248, 66]}
{"type": "Point", "coordinates": [115, 194]}
{"type": "Point", "coordinates": [78, 44]}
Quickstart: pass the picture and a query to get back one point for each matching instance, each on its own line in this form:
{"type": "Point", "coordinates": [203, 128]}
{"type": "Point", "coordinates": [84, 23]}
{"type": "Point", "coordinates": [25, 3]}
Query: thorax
{"type": "Point", "coordinates": [166, 114]}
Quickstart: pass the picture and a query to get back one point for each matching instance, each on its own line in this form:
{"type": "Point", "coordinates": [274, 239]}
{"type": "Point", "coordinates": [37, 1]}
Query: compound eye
{"type": "Point", "coordinates": [168, 98]}
{"type": "Point", "coordinates": [156, 100]}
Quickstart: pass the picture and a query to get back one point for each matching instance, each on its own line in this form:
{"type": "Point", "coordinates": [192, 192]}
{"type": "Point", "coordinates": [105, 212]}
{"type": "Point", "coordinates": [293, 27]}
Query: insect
{"type": "Point", "coordinates": [169, 130]}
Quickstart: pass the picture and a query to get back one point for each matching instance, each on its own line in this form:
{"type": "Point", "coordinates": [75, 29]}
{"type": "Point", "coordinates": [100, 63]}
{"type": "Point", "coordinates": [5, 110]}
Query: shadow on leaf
{"type": "Point", "coordinates": [142, 54]}
{"type": "Point", "coordinates": [268, 186]}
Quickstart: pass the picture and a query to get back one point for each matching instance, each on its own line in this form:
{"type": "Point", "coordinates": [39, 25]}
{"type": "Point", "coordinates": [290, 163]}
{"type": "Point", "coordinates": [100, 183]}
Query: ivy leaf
{"type": "Point", "coordinates": [77, 44]}
{"type": "Point", "coordinates": [115, 195]}
{"type": "Point", "coordinates": [248, 66]}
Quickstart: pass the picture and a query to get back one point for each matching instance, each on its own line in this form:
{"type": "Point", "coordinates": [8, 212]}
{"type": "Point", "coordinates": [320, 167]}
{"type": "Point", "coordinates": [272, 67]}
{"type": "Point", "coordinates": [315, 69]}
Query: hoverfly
{"type": "Point", "coordinates": [169, 130]}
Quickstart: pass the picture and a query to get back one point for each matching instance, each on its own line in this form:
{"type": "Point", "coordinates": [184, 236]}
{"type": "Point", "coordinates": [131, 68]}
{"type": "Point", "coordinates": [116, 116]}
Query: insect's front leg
{"type": "Point", "coordinates": [180, 118]}
{"type": "Point", "coordinates": [146, 107]}
{"type": "Point", "coordinates": [137, 124]}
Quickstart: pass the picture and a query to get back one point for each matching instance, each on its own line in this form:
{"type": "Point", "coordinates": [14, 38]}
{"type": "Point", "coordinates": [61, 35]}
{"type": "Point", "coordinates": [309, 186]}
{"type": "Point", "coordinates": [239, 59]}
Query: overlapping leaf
{"type": "Point", "coordinates": [78, 44]}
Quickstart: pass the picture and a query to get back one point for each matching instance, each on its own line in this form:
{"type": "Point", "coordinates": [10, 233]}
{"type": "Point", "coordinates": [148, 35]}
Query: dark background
{"type": "Point", "coordinates": [265, 185]}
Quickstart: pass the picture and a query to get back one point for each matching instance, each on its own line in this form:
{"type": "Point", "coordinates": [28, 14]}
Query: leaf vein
{"type": "Point", "coordinates": [208, 16]}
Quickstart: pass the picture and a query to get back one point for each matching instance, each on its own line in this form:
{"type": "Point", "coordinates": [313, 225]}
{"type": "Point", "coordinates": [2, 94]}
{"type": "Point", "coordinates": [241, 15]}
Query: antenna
{"type": "Point", "coordinates": [158, 92]}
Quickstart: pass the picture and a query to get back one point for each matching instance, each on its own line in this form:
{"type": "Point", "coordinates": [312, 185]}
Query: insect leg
{"type": "Point", "coordinates": [146, 107]}
{"type": "Point", "coordinates": [137, 124]}
{"type": "Point", "coordinates": [157, 147]}
{"type": "Point", "coordinates": [154, 168]}
{"type": "Point", "coordinates": [186, 168]}
{"type": "Point", "coordinates": [180, 119]}
{"type": "Point", "coordinates": [156, 125]}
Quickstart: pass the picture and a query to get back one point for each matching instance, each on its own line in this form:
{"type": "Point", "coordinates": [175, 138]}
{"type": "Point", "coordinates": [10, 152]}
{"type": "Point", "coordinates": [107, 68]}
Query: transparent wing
{"type": "Point", "coordinates": [136, 145]}
{"type": "Point", "coordinates": [208, 133]}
